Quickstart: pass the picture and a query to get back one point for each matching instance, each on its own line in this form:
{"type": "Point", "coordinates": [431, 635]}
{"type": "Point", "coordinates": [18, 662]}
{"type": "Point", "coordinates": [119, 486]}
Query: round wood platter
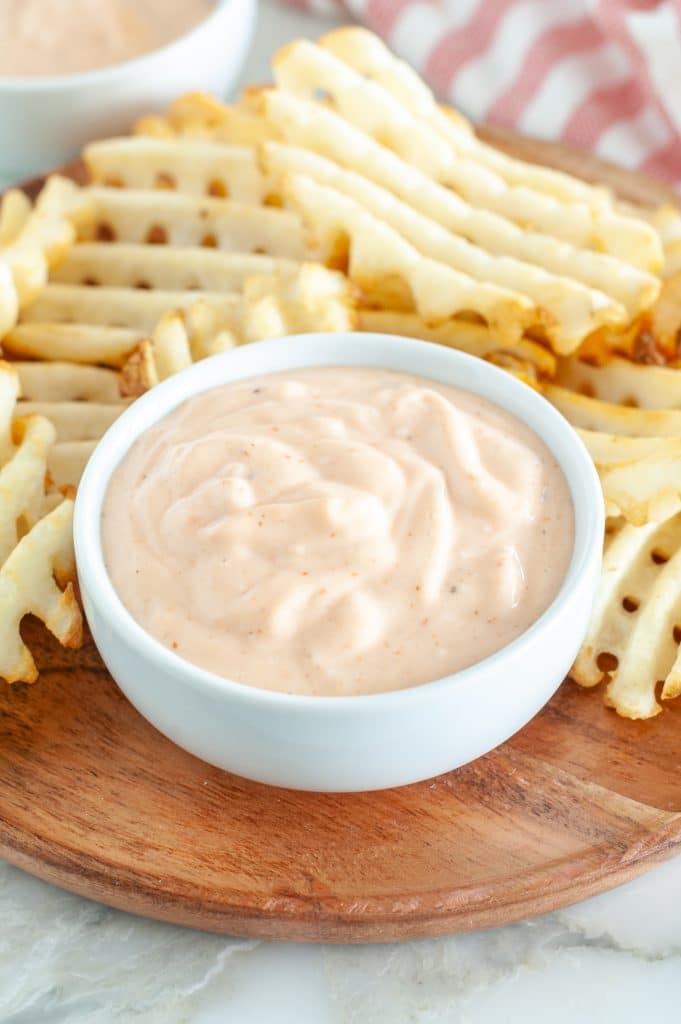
{"type": "Point", "coordinates": [93, 799]}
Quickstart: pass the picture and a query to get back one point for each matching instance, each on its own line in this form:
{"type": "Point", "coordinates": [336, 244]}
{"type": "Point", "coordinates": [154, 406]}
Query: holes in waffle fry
{"type": "Point", "coordinates": [272, 199]}
{"type": "Point", "coordinates": [218, 188]}
{"type": "Point", "coordinates": [164, 180]}
{"type": "Point", "coordinates": [607, 662]}
{"type": "Point", "coordinates": [90, 281]}
{"type": "Point", "coordinates": [156, 235]}
{"type": "Point", "coordinates": [587, 389]}
{"type": "Point", "coordinates": [143, 285]}
{"type": "Point", "coordinates": [209, 241]}
{"type": "Point", "coordinates": [676, 633]}
{"type": "Point", "coordinates": [114, 181]}
{"type": "Point", "coordinates": [659, 557]}
{"type": "Point", "coordinates": [104, 232]}
{"type": "Point", "coordinates": [630, 604]}
{"type": "Point", "coordinates": [630, 402]}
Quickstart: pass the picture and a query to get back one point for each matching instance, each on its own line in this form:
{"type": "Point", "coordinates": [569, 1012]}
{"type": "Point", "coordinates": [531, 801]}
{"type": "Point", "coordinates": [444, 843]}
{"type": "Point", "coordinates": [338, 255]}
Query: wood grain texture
{"type": "Point", "coordinates": [93, 799]}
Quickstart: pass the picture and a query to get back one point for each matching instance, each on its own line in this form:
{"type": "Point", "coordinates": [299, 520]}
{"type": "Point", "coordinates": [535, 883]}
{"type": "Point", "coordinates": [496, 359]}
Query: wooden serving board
{"type": "Point", "coordinates": [93, 799]}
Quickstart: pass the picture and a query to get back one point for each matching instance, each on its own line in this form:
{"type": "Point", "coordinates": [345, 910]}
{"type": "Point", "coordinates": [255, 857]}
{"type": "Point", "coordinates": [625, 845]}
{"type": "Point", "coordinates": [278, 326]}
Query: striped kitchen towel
{"type": "Point", "coordinates": [601, 74]}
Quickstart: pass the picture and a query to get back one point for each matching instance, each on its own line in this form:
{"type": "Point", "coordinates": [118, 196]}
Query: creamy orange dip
{"type": "Point", "coordinates": [337, 530]}
{"type": "Point", "coordinates": [60, 37]}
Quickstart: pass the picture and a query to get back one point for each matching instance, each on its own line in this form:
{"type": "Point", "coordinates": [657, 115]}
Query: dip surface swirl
{"type": "Point", "coordinates": [337, 531]}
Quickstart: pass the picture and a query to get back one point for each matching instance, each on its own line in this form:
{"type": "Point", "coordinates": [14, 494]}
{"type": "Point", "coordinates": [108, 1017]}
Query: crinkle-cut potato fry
{"type": "Point", "coordinates": [199, 115]}
{"type": "Point", "coordinates": [190, 166]}
{"type": "Point", "coordinates": [164, 267]}
{"type": "Point", "coordinates": [67, 461]}
{"type": "Point", "coordinates": [367, 54]}
{"type": "Point", "coordinates": [534, 361]}
{"type": "Point", "coordinates": [637, 611]}
{"type": "Point", "coordinates": [311, 72]}
{"type": "Point", "coordinates": [392, 273]}
{"type": "Point", "coordinates": [640, 476]}
{"type": "Point", "coordinates": [171, 218]}
{"type": "Point", "coordinates": [15, 209]}
{"type": "Point", "coordinates": [119, 308]}
{"type": "Point", "coordinates": [320, 130]}
{"type": "Point", "coordinates": [572, 310]}
{"type": "Point", "coordinates": [22, 480]}
{"type": "Point", "coordinates": [66, 382]}
{"type": "Point", "coordinates": [623, 382]}
{"type": "Point", "coordinates": [73, 421]}
{"type": "Point", "coordinates": [29, 584]}
{"type": "Point", "coordinates": [88, 343]}
{"type": "Point", "coordinates": [611, 418]}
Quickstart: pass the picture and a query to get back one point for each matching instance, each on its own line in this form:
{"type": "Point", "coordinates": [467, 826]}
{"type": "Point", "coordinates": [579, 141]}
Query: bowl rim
{"type": "Point", "coordinates": [210, 373]}
{"type": "Point", "coordinates": [94, 76]}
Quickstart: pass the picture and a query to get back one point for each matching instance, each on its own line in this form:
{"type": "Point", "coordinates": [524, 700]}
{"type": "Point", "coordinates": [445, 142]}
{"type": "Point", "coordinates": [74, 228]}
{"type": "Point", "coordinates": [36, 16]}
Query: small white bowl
{"type": "Point", "coordinates": [45, 121]}
{"type": "Point", "coordinates": [343, 743]}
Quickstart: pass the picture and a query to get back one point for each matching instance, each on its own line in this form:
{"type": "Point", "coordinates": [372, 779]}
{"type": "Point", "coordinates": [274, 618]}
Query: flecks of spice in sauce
{"type": "Point", "coordinates": [339, 557]}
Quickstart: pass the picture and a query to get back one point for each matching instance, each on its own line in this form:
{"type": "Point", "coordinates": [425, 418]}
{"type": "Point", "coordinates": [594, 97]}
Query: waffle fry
{"type": "Point", "coordinates": [271, 306]}
{"type": "Point", "coordinates": [15, 209]}
{"type": "Point", "coordinates": [369, 56]}
{"type": "Point", "coordinates": [201, 116]}
{"type": "Point", "coordinates": [73, 421]}
{"type": "Point", "coordinates": [392, 273]}
{"type": "Point", "coordinates": [36, 546]}
{"type": "Point", "coordinates": [119, 308]}
{"type": "Point", "coordinates": [66, 382]}
{"type": "Point", "coordinates": [315, 299]}
{"type": "Point", "coordinates": [31, 581]}
{"type": "Point", "coordinates": [22, 480]}
{"type": "Point", "coordinates": [640, 476]}
{"type": "Point", "coordinates": [635, 620]}
{"type": "Point", "coordinates": [36, 240]}
{"type": "Point", "coordinates": [568, 310]}
{"type": "Point", "coordinates": [623, 382]}
{"type": "Point", "coordinates": [311, 72]}
{"type": "Point", "coordinates": [666, 316]}
{"type": "Point", "coordinates": [194, 167]}
{"type": "Point", "coordinates": [526, 358]}
{"type": "Point", "coordinates": [315, 128]}
{"type": "Point", "coordinates": [171, 218]}
{"type": "Point", "coordinates": [76, 343]}
{"type": "Point", "coordinates": [165, 268]}
{"type": "Point", "coordinates": [67, 460]}
{"type": "Point", "coordinates": [610, 418]}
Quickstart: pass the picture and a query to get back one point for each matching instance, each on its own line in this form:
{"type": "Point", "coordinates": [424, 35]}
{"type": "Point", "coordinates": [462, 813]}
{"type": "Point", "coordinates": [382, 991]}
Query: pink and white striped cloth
{"type": "Point", "coordinates": [601, 74]}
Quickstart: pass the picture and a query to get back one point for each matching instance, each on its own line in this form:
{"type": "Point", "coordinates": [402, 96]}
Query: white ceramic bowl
{"type": "Point", "coordinates": [343, 743]}
{"type": "Point", "coordinates": [45, 121]}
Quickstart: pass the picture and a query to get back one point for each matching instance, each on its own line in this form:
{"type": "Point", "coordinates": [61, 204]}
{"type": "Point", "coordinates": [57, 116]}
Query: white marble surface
{"type": "Point", "coordinates": [613, 960]}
